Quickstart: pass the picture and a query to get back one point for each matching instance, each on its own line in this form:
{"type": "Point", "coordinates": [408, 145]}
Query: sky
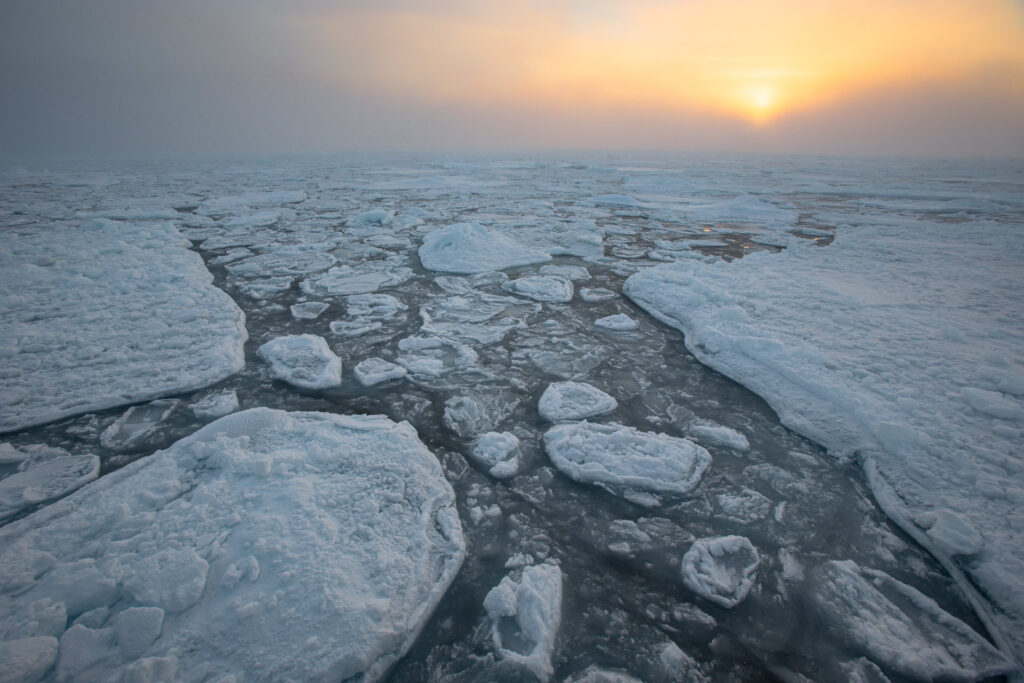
{"type": "Point", "coordinates": [184, 77]}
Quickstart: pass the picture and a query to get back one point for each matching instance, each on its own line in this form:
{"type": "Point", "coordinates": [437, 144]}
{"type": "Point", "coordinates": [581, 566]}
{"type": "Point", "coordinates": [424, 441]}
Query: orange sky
{"type": "Point", "coordinates": [751, 59]}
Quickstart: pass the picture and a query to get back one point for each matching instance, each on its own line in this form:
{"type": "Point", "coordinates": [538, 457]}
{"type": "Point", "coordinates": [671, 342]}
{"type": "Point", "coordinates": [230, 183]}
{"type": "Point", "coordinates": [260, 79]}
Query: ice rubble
{"type": "Point", "coordinates": [545, 288]}
{"type": "Point", "coordinates": [525, 615]}
{"type": "Point", "coordinates": [621, 457]}
{"type": "Point", "coordinates": [898, 627]}
{"type": "Point", "coordinates": [303, 360]}
{"type": "Point", "coordinates": [266, 546]}
{"type": "Point", "coordinates": [721, 569]}
{"type": "Point", "coordinates": [567, 401]}
{"type": "Point", "coordinates": [470, 248]}
{"type": "Point", "coordinates": [873, 346]}
{"type": "Point", "coordinates": [142, 321]}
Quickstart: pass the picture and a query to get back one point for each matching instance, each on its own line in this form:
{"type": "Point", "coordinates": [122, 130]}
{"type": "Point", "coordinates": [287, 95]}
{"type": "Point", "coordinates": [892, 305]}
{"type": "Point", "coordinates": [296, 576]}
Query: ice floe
{"type": "Point", "coordinates": [721, 569]}
{"type": "Point", "coordinates": [525, 614]}
{"type": "Point", "coordinates": [567, 401]}
{"type": "Point", "coordinates": [498, 453]}
{"type": "Point", "coordinates": [621, 457]}
{"type": "Point", "coordinates": [216, 405]}
{"type": "Point", "coordinates": [619, 322]}
{"type": "Point", "coordinates": [374, 371]}
{"type": "Point", "coordinates": [143, 321]}
{"type": "Point", "coordinates": [47, 475]}
{"type": "Point", "coordinates": [898, 627]}
{"type": "Point", "coordinates": [719, 435]}
{"type": "Point", "coordinates": [543, 288]}
{"type": "Point", "coordinates": [266, 546]}
{"type": "Point", "coordinates": [138, 425]}
{"type": "Point", "coordinates": [470, 248]}
{"type": "Point", "coordinates": [303, 360]}
{"type": "Point", "coordinates": [308, 310]}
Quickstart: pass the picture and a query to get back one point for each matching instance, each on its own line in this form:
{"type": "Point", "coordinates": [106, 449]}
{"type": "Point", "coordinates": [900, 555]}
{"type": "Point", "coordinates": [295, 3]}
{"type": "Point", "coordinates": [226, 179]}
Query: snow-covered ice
{"type": "Point", "coordinates": [898, 627]}
{"type": "Point", "coordinates": [42, 479]}
{"type": "Point", "coordinates": [216, 405]}
{"type": "Point", "coordinates": [719, 435]}
{"type": "Point", "coordinates": [470, 248]}
{"type": "Point", "coordinates": [874, 347]}
{"type": "Point", "coordinates": [525, 614]}
{"type": "Point", "coordinates": [266, 546]}
{"type": "Point", "coordinates": [721, 569]}
{"type": "Point", "coordinates": [622, 457]}
{"type": "Point", "coordinates": [304, 360]}
{"type": "Point", "coordinates": [123, 313]}
{"type": "Point", "coordinates": [568, 401]}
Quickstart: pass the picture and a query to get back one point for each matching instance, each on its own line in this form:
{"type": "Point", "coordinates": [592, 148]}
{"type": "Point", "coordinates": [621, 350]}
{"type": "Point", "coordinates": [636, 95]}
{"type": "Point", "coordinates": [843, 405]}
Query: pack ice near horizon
{"type": "Point", "coordinates": [594, 419]}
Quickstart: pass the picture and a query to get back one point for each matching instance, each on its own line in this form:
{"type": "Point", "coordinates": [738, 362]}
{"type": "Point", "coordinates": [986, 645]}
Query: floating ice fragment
{"type": "Point", "coordinates": [498, 453]}
{"type": "Point", "coordinates": [622, 457]}
{"type": "Point", "coordinates": [303, 360]}
{"type": "Point", "coordinates": [573, 273]}
{"type": "Point", "coordinates": [567, 401]}
{"type": "Point", "coordinates": [46, 480]}
{"type": "Point", "coordinates": [619, 322]}
{"type": "Point", "coordinates": [542, 288]}
{"type": "Point", "coordinates": [596, 294]}
{"type": "Point", "coordinates": [525, 615]}
{"type": "Point", "coordinates": [721, 569]}
{"type": "Point", "coordinates": [138, 425]}
{"type": "Point", "coordinates": [216, 405]}
{"type": "Point", "coordinates": [470, 248]}
{"type": "Point", "coordinates": [376, 371]}
{"type": "Point", "coordinates": [720, 435]}
{"type": "Point", "coordinates": [308, 310]}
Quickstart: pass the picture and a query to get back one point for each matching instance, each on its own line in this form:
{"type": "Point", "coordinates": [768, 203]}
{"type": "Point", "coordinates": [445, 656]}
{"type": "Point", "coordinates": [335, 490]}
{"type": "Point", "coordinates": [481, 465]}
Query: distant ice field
{"type": "Point", "coordinates": [677, 419]}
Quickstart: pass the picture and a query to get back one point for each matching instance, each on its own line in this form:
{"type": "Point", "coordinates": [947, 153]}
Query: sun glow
{"type": "Point", "coordinates": [743, 58]}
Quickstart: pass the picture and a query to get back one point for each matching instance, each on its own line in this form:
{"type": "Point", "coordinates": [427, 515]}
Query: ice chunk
{"type": "Point", "coordinates": [345, 281]}
{"type": "Point", "coordinates": [525, 615]}
{"type": "Point", "coordinates": [381, 217]}
{"type": "Point", "coordinates": [341, 532]}
{"type": "Point", "coordinates": [745, 507]}
{"type": "Point", "coordinates": [595, 674]}
{"type": "Point", "coordinates": [574, 273]}
{"type": "Point", "coordinates": [899, 628]}
{"type": "Point", "coordinates": [619, 322]}
{"type": "Point", "coordinates": [46, 480]}
{"type": "Point", "coordinates": [138, 425]}
{"type": "Point", "coordinates": [498, 453]}
{"type": "Point", "coordinates": [567, 401]}
{"type": "Point", "coordinates": [721, 569]}
{"type": "Point", "coordinates": [216, 405]}
{"type": "Point", "coordinates": [40, 618]}
{"type": "Point", "coordinates": [993, 403]}
{"type": "Point", "coordinates": [622, 457]}
{"type": "Point", "coordinates": [304, 360]}
{"type": "Point", "coordinates": [308, 310]}
{"type": "Point", "coordinates": [27, 660]}
{"type": "Point", "coordinates": [469, 416]}
{"type": "Point", "coordinates": [720, 435]}
{"type": "Point", "coordinates": [596, 294]}
{"type": "Point", "coordinates": [951, 532]}
{"type": "Point", "coordinates": [543, 288]}
{"type": "Point", "coordinates": [354, 328]}
{"type": "Point", "coordinates": [373, 306]}
{"type": "Point", "coordinates": [470, 248]}
{"type": "Point", "coordinates": [377, 370]}
{"type": "Point", "coordinates": [144, 321]}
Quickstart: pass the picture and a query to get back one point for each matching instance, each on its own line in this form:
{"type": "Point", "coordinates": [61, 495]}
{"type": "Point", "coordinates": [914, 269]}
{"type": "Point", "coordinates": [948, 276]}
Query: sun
{"type": "Point", "coordinates": [760, 103]}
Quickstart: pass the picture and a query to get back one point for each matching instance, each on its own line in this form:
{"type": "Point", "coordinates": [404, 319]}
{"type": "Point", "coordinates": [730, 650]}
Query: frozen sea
{"type": "Point", "coordinates": [668, 419]}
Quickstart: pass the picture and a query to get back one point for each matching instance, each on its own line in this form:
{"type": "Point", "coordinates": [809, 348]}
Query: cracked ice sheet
{"type": "Point", "coordinates": [106, 314]}
{"type": "Point", "coordinates": [903, 341]}
{"type": "Point", "coordinates": [279, 546]}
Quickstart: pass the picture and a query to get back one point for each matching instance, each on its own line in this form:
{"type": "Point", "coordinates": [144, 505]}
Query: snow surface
{"type": "Point", "coordinates": [623, 457]}
{"type": "Point", "coordinates": [470, 248]}
{"type": "Point", "coordinates": [568, 401]}
{"type": "Point", "coordinates": [901, 343]}
{"type": "Point", "coordinates": [267, 546]}
{"type": "Point", "coordinates": [304, 360]}
{"type": "Point", "coordinates": [107, 314]}
{"type": "Point", "coordinates": [525, 614]}
{"type": "Point", "coordinates": [721, 569]}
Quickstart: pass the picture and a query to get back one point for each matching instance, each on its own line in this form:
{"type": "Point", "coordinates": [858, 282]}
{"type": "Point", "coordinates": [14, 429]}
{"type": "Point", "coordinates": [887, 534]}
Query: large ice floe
{"type": "Point", "coordinates": [525, 614]}
{"type": "Point", "coordinates": [876, 346]}
{"type": "Point", "coordinates": [470, 248]}
{"type": "Point", "coordinates": [621, 457]}
{"type": "Point", "coordinates": [303, 360]}
{"type": "Point", "coordinates": [267, 546]}
{"type": "Point", "coordinates": [106, 314]}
